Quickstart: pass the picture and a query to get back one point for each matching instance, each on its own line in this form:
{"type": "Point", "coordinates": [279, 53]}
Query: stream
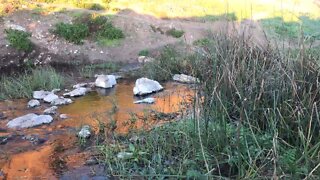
{"type": "Point", "coordinates": [52, 151]}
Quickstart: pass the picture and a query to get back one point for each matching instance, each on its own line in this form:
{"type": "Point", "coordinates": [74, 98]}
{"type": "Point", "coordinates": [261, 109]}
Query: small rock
{"type": "Point", "coordinates": [56, 90]}
{"type": "Point", "coordinates": [185, 78]}
{"type": "Point", "coordinates": [91, 161]}
{"type": "Point", "coordinates": [105, 81]}
{"type": "Point", "coordinates": [51, 111]}
{"type": "Point", "coordinates": [145, 59]}
{"type": "Point", "coordinates": [33, 103]}
{"type": "Point", "coordinates": [77, 92]}
{"type": "Point", "coordinates": [40, 94]}
{"type": "Point", "coordinates": [15, 27]}
{"type": "Point", "coordinates": [3, 140]}
{"type": "Point", "coordinates": [146, 86]}
{"type": "Point", "coordinates": [84, 132]}
{"type": "Point", "coordinates": [63, 116]}
{"type": "Point", "coordinates": [50, 97]}
{"type": "Point", "coordinates": [61, 101]}
{"type": "Point", "coordinates": [80, 85]}
{"type": "Point", "coordinates": [146, 100]}
{"type": "Point", "coordinates": [29, 120]}
{"type": "Point", "coordinates": [34, 139]}
{"type": "Point", "coordinates": [124, 155]}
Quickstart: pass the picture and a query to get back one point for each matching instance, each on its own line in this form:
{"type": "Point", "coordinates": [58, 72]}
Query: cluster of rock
{"type": "Point", "coordinates": [143, 86]}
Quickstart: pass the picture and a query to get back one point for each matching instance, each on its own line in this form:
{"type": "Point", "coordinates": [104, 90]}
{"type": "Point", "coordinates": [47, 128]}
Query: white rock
{"type": "Point", "coordinates": [51, 111]}
{"type": "Point", "coordinates": [63, 116]}
{"type": "Point", "coordinates": [33, 103]}
{"type": "Point", "coordinates": [40, 94]}
{"type": "Point", "coordinates": [15, 27]}
{"type": "Point", "coordinates": [29, 120]}
{"type": "Point", "coordinates": [84, 132]}
{"type": "Point", "coordinates": [56, 90]}
{"type": "Point", "coordinates": [146, 100]}
{"type": "Point", "coordinates": [146, 86]}
{"type": "Point", "coordinates": [61, 101]}
{"type": "Point", "coordinates": [105, 81]}
{"type": "Point", "coordinates": [185, 78]}
{"type": "Point", "coordinates": [77, 92]}
{"type": "Point", "coordinates": [145, 59]}
{"type": "Point", "coordinates": [80, 85]}
{"type": "Point", "coordinates": [50, 97]}
{"type": "Point", "coordinates": [124, 155]}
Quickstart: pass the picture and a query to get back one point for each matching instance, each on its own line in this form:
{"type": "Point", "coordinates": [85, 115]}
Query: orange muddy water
{"type": "Point", "coordinates": [52, 151]}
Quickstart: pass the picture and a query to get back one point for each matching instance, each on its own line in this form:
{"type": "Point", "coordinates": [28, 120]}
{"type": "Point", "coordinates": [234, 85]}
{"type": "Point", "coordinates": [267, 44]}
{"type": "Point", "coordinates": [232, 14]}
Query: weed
{"type": "Point", "coordinates": [174, 33]}
{"type": "Point", "coordinates": [255, 116]}
{"type": "Point", "coordinates": [144, 52]}
{"type": "Point", "coordinates": [23, 85]}
{"type": "Point", "coordinates": [19, 39]}
{"type": "Point", "coordinates": [74, 33]}
{"type": "Point", "coordinates": [227, 17]}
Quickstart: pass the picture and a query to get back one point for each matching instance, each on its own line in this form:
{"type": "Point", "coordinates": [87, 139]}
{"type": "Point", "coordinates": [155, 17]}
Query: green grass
{"type": "Point", "coordinates": [255, 116]}
{"type": "Point", "coordinates": [109, 43]}
{"type": "Point", "coordinates": [85, 26]}
{"type": "Point", "coordinates": [23, 85]}
{"type": "Point", "coordinates": [278, 28]}
{"type": "Point", "coordinates": [175, 33]}
{"type": "Point", "coordinates": [89, 71]}
{"type": "Point", "coordinates": [19, 39]}
{"type": "Point", "coordinates": [144, 52]}
{"type": "Point", "coordinates": [74, 33]}
{"type": "Point", "coordinates": [227, 17]}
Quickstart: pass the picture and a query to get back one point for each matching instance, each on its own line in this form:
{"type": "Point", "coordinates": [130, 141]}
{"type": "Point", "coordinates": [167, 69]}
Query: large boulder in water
{"type": "Point", "coordinates": [105, 81]}
{"type": "Point", "coordinates": [29, 120]}
{"type": "Point", "coordinates": [146, 86]}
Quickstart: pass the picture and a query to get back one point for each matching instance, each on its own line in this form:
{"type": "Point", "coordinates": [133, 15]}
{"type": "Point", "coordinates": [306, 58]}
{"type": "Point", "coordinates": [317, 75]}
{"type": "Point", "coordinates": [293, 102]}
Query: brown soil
{"type": "Point", "coordinates": [137, 28]}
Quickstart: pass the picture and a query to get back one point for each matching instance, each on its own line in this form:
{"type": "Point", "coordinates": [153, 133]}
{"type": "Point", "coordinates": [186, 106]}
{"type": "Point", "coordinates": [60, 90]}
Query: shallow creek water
{"type": "Point", "coordinates": [35, 153]}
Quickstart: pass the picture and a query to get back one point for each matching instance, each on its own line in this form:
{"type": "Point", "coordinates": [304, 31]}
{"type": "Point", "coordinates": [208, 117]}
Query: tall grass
{"type": "Point", "coordinates": [23, 85]}
{"type": "Point", "coordinates": [255, 116]}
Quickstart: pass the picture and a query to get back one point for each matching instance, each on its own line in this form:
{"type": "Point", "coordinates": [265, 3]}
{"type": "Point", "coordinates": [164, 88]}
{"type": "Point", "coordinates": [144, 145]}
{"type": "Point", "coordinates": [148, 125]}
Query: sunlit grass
{"type": "Point", "coordinates": [289, 10]}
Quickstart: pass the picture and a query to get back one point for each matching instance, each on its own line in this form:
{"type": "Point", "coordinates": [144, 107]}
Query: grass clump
{"type": "Point", "coordinates": [98, 28]}
{"type": "Point", "coordinates": [23, 85]}
{"type": "Point", "coordinates": [89, 71]}
{"type": "Point", "coordinates": [255, 116]}
{"type": "Point", "coordinates": [175, 33]}
{"type": "Point", "coordinates": [144, 52]}
{"type": "Point", "coordinates": [19, 39]}
{"type": "Point", "coordinates": [74, 33]}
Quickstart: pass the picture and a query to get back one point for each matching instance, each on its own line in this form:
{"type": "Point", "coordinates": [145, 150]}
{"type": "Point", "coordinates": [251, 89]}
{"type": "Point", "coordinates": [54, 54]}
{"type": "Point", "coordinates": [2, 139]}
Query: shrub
{"type": "Point", "coordinates": [144, 52]}
{"type": "Point", "coordinates": [23, 85]}
{"type": "Point", "coordinates": [175, 33]}
{"type": "Point", "coordinates": [75, 33]}
{"type": "Point", "coordinates": [110, 32]}
{"type": "Point", "coordinates": [19, 39]}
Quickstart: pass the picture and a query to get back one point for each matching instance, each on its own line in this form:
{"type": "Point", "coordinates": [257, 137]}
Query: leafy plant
{"type": "Point", "coordinates": [175, 33]}
{"type": "Point", "coordinates": [19, 39]}
{"type": "Point", "coordinates": [144, 52]}
{"type": "Point", "coordinates": [75, 33]}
